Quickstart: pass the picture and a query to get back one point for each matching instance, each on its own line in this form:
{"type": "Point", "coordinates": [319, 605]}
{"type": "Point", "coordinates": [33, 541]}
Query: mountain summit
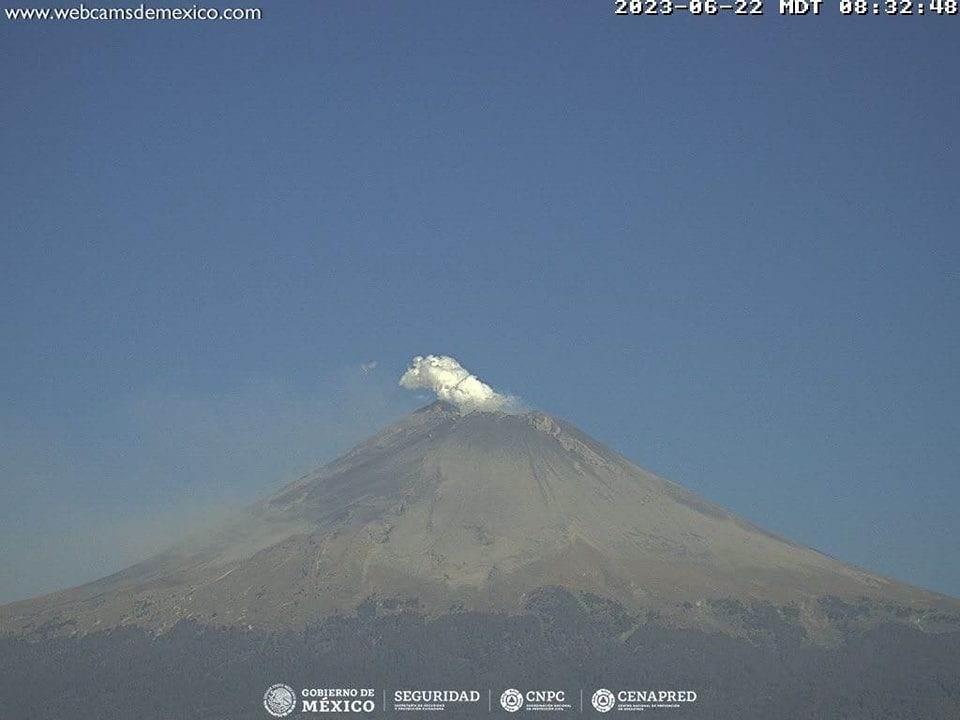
{"type": "Point", "coordinates": [448, 510]}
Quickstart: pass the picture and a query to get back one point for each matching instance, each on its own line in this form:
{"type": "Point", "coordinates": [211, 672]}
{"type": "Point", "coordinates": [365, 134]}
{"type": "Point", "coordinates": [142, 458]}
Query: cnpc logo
{"type": "Point", "coordinates": [512, 699]}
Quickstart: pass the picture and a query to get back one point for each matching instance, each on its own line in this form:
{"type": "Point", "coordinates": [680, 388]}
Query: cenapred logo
{"type": "Point", "coordinates": [603, 700]}
{"type": "Point", "coordinates": [280, 700]}
{"type": "Point", "coordinates": [511, 700]}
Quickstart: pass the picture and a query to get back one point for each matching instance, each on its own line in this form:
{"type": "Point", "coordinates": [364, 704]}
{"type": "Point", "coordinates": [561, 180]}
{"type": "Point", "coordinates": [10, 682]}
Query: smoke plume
{"type": "Point", "coordinates": [452, 382]}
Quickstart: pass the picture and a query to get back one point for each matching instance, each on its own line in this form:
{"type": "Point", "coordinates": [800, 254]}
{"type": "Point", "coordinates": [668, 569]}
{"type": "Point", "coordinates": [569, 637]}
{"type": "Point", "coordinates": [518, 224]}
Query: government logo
{"type": "Point", "coordinates": [279, 700]}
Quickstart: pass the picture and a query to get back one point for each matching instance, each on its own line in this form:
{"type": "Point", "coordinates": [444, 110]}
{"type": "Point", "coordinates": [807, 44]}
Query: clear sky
{"type": "Point", "coordinates": [725, 246]}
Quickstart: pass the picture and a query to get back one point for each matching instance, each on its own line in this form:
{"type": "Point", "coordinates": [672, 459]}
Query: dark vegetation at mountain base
{"type": "Point", "coordinates": [889, 672]}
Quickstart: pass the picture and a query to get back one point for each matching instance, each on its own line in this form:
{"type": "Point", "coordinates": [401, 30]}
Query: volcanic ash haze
{"type": "Point", "coordinates": [455, 508]}
{"type": "Point", "coordinates": [450, 381]}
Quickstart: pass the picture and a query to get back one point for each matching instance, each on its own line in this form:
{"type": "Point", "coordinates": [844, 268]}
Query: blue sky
{"type": "Point", "coordinates": [727, 247]}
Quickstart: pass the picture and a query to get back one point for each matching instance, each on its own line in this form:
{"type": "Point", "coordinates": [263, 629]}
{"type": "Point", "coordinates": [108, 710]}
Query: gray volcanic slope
{"type": "Point", "coordinates": [449, 511]}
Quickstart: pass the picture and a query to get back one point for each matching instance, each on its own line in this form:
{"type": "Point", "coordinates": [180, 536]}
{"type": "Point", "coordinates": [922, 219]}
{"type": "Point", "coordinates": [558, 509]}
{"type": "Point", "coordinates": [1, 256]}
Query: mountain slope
{"type": "Point", "coordinates": [450, 511]}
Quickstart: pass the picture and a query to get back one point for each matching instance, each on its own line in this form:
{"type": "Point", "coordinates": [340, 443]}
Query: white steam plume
{"type": "Point", "coordinates": [450, 381]}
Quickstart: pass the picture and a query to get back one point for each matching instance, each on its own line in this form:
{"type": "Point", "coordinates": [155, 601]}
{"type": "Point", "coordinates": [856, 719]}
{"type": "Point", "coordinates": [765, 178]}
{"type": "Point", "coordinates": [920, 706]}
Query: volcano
{"type": "Point", "coordinates": [455, 545]}
{"type": "Point", "coordinates": [448, 510]}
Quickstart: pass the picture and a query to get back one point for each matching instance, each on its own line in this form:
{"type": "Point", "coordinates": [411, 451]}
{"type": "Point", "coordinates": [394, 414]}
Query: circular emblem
{"type": "Point", "coordinates": [603, 700]}
{"type": "Point", "coordinates": [279, 700]}
{"type": "Point", "coordinates": [511, 700]}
